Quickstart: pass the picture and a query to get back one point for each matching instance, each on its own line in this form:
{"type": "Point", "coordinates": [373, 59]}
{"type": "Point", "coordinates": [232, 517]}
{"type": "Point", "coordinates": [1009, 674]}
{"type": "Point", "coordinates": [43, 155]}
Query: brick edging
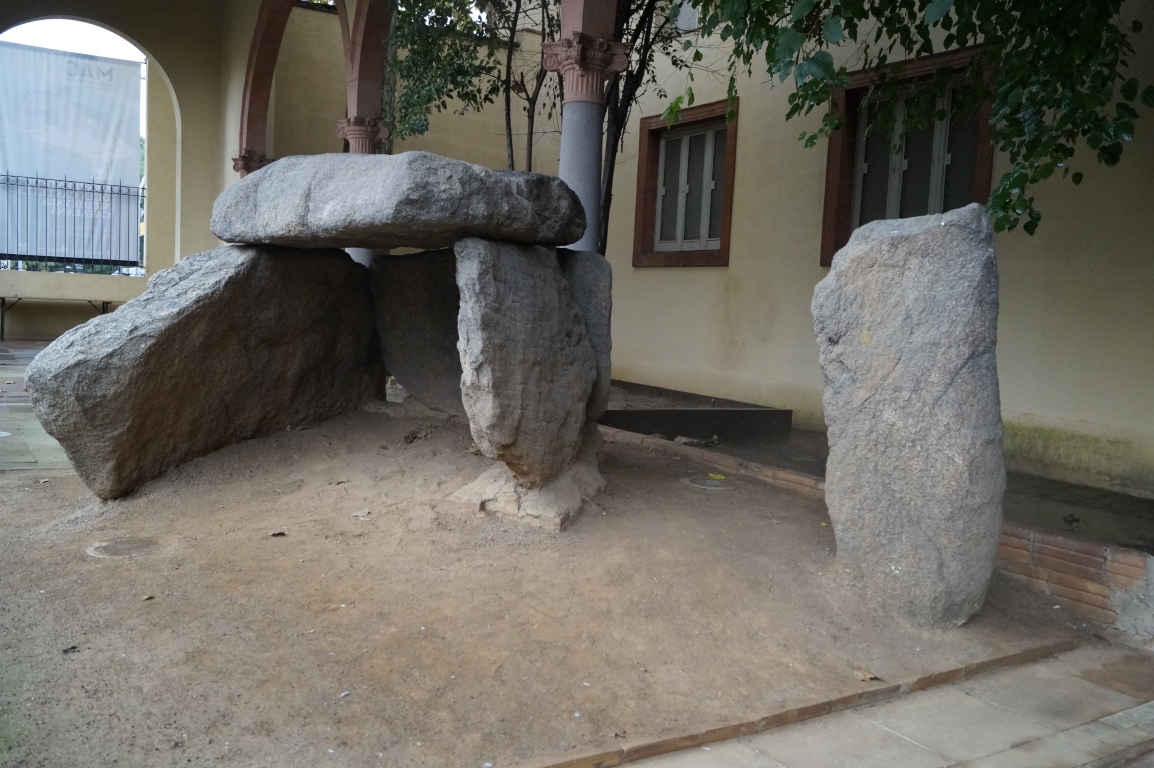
{"type": "Point", "coordinates": [645, 750]}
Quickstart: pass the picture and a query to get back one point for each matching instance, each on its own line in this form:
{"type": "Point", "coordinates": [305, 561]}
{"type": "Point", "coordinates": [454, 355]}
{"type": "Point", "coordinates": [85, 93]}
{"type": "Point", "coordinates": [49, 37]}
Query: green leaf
{"type": "Point", "coordinates": [1136, 27]}
{"type": "Point", "coordinates": [831, 30]}
{"type": "Point", "coordinates": [1130, 89]}
{"type": "Point", "coordinates": [936, 10]}
{"type": "Point", "coordinates": [789, 42]}
{"type": "Point", "coordinates": [1148, 95]}
{"type": "Point", "coordinates": [689, 97]}
{"type": "Point", "coordinates": [1031, 227]}
{"type": "Point", "coordinates": [801, 9]}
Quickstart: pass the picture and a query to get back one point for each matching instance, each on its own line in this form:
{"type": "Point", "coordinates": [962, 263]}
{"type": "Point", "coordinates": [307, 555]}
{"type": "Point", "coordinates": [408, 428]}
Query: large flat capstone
{"type": "Point", "coordinates": [528, 366]}
{"type": "Point", "coordinates": [417, 303]}
{"type": "Point", "coordinates": [226, 345]}
{"type": "Point", "coordinates": [414, 199]}
{"type": "Point", "coordinates": [906, 324]}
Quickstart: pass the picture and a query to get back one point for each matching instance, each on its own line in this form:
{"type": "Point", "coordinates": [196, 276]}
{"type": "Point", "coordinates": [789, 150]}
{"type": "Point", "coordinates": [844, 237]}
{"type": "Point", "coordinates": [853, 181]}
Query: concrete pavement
{"type": "Point", "coordinates": [1077, 709]}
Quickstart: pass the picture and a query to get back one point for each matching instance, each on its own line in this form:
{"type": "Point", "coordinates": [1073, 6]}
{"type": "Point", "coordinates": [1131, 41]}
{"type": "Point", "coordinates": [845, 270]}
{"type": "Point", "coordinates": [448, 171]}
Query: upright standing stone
{"type": "Point", "coordinates": [528, 367]}
{"type": "Point", "coordinates": [414, 199]}
{"type": "Point", "coordinates": [906, 324]}
{"type": "Point", "coordinates": [590, 279]}
{"type": "Point", "coordinates": [224, 346]}
{"type": "Point", "coordinates": [417, 303]}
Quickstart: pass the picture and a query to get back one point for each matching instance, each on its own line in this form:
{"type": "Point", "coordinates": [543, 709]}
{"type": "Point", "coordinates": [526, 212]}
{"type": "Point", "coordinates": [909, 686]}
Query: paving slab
{"type": "Point", "coordinates": [974, 728]}
{"type": "Point", "coordinates": [843, 740]}
{"type": "Point", "coordinates": [1048, 696]}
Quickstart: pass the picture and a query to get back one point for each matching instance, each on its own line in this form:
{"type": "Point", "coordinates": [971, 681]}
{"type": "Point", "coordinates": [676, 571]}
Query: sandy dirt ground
{"type": "Point", "coordinates": [419, 635]}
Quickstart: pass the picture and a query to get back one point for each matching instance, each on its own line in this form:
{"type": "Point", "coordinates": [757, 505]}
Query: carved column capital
{"type": "Point", "coordinates": [362, 133]}
{"type": "Point", "coordinates": [585, 63]}
{"type": "Point", "coordinates": [249, 161]}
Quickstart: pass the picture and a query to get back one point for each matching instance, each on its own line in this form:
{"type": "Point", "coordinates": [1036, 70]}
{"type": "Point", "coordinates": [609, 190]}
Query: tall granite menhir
{"type": "Point", "coordinates": [906, 324]}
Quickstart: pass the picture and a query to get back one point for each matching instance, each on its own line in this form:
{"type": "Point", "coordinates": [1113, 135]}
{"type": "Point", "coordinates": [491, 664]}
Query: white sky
{"type": "Point", "coordinates": [80, 37]}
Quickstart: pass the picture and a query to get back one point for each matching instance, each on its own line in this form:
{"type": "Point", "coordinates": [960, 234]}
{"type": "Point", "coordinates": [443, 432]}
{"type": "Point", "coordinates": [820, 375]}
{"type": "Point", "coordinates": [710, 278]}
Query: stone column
{"type": "Point", "coordinates": [585, 63]}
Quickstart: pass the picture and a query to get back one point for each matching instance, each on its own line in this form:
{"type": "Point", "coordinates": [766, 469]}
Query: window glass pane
{"type": "Point", "coordinates": [963, 148]}
{"type": "Point", "coordinates": [716, 199]}
{"type": "Point", "coordinates": [919, 157]}
{"type": "Point", "coordinates": [672, 150]}
{"type": "Point", "coordinates": [696, 181]}
{"type": "Point", "coordinates": [875, 182]}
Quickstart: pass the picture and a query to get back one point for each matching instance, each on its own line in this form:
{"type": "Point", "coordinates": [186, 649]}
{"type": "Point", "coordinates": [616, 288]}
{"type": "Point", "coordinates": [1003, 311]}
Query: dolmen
{"type": "Point", "coordinates": [906, 324]}
{"type": "Point", "coordinates": [492, 321]}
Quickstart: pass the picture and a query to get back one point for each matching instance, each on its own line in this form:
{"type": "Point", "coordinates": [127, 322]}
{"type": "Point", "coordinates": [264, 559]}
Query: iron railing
{"type": "Point", "coordinates": [59, 225]}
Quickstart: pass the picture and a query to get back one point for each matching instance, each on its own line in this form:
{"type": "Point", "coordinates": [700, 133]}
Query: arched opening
{"type": "Point", "coordinates": [73, 149]}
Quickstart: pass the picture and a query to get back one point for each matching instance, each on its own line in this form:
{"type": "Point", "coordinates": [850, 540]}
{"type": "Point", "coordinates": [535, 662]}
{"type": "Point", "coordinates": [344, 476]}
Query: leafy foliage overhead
{"type": "Point", "coordinates": [1054, 71]}
{"type": "Point", "coordinates": [440, 52]}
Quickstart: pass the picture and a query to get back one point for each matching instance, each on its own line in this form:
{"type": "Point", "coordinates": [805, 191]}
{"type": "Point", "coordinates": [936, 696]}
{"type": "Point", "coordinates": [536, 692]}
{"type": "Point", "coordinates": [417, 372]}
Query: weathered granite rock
{"type": "Point", "coordinates": [226, 345]}
{"type": "Point", "coordinates": [906, 323]}
{"type": "Point", "coordinates": [417, 303]}
{"type": "Point", "coordinates": [590, 279]}
{"type": "Point", "coordinates": [528, 367]}
{"type": "Point", "coordinates": [414, 199]}
{"type": "Point", "coordinates": [553, 505]}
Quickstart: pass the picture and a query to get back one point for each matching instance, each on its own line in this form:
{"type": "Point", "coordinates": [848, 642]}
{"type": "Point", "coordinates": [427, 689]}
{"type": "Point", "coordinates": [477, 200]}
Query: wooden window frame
{"type": "Point", "coordinates": [645, 213]}
{"type": "Point", "coordinates": [837, 214]}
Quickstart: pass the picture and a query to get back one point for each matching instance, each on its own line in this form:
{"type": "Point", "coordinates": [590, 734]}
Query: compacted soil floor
{"type": "Point", "coordinates": [306, 599]}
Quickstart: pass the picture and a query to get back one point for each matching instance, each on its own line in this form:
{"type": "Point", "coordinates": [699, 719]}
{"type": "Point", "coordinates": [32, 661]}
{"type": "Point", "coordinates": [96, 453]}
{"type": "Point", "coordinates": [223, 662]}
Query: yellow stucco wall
{"type": "Point", "coordinates": [1076, 327]}
{"type": "Point", "coordinates": [310, 85]}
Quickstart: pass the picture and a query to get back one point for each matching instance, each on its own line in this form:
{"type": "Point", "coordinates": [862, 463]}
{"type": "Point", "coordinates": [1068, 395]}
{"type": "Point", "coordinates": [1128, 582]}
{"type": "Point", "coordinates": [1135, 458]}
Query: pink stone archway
{"type": "Point", "coordinates": [364, 45]}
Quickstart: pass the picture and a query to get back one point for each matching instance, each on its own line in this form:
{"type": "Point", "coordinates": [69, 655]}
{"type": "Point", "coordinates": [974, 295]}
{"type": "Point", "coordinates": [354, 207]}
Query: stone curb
{"type": "Point", "coordinates": [808, 485]}
{"type": "Point", "coordinates": [644, 750]}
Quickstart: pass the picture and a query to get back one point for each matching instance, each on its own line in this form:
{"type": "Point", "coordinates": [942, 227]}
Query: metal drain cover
{"type": "Point", "coordinates": [706, 482]}
{"type": "Point", "coordinates": [121, 548]}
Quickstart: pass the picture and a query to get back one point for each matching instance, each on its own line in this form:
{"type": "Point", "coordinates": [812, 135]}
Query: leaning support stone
{"type": "Point", "coordinates": [906, 324]}
{"type": "Point", "coordinates": [224, 346]}
{"type": "Point", "coordinates": [414, 199]}
{"type": "Point", "coordinates": [528, 367]}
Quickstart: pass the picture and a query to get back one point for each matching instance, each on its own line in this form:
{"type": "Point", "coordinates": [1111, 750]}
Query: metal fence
{"type": "Point", "coordinates": [58, 225]}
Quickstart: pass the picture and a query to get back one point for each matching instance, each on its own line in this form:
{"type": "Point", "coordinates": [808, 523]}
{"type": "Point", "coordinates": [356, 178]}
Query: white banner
{"type": "Point", "coordinates": [68, 115]}
{"type": "Point", "coordinates": [70, 160]}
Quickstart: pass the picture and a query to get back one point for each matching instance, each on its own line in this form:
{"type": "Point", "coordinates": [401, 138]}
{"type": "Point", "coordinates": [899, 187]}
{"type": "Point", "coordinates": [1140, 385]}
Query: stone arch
{"type": "Point", "coordinates": [363, 37]}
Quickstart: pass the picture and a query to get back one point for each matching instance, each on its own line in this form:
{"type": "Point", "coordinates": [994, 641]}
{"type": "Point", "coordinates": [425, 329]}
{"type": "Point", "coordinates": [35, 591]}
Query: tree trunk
{"type": "Point", "coordinates": [509, 83]}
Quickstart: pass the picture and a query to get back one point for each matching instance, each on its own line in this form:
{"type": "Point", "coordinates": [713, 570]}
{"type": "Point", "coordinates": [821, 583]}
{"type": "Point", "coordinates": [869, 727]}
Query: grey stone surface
{"type": "Point", "coordinates": [414, 199]}
{"type": "Point", "coordinates": [906, 324]}
{"type": "Point", "coordinates": [226, 345]}
{"type": "Point", "coordinates": [528, 367]}
{"type": "Point", "coordinates": [553, 505]}
{"type": "Point", "coordinates": [590, 279]}
{"type": "Point", "coordinates": [417, 303]}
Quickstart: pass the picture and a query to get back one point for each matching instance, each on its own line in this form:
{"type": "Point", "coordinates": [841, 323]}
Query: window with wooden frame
{"type": "Point", "coordinates": [937, 168]}
{"type": "Point", "coordinates": [685, 189]}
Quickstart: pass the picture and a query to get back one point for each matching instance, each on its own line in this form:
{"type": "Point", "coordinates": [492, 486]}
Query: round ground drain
{"type": "Point", "coordinates": [707, 483]}
{"type": "Point", "coordinates": [121, 548]}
